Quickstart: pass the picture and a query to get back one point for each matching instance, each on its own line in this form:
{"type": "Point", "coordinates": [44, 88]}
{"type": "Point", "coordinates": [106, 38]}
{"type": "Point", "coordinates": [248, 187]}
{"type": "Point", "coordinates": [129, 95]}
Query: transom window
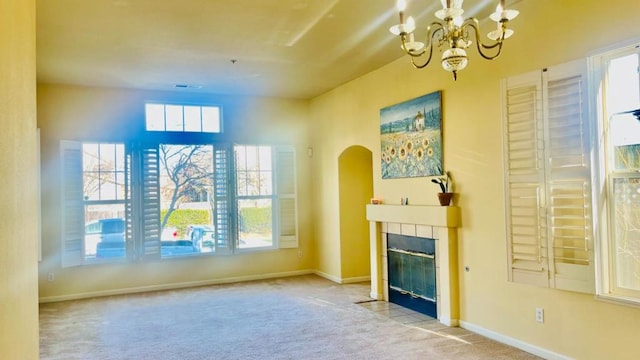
{"type": "Point", "coordinates": [183, 118]}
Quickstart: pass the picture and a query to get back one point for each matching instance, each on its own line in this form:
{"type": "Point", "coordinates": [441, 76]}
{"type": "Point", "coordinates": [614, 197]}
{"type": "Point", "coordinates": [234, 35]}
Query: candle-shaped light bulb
{"type": "Point", "coordinates": [499, 8]}
{"type": "Point", "coordinates": [410, 22]}
{"type": "Point", "coordinates": [411, 38]}
{"type": "Point", "coordinates": [402, 6]}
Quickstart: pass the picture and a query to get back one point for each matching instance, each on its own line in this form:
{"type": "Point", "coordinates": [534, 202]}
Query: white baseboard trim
{"type": "Point", "coordinates": [535, 350]}
{"type": "Point", "coordinates": [340, 280]}
{"type": "Point", "coordinates": [335, 279]}
{"type": "Point", "coordinates": [449, 322]}
{"type": "Point", "coordinates": [173, 286]}
{"type": "Point", "coordinates": [355, 280]}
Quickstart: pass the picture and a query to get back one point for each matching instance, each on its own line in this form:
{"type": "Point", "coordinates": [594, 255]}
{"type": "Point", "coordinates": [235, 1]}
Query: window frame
{"type": "Point", "coordinates": [606, 288]}
{"type": "Point", "coordinates": [272, 196]}
{"type": "Point", "coordinates": [183, 105]}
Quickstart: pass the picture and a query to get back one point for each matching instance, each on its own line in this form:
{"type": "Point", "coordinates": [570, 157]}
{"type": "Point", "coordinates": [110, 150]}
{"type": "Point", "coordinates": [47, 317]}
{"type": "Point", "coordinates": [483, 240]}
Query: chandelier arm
{"type": "Point", "coordinates": [429, 44]}
{"type": "Point", "coordinates": [430, 35]}
{"type": "Point", "coordinates": [473, 23]}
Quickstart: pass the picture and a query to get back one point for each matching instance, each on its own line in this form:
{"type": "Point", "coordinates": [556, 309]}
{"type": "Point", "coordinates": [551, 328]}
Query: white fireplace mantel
{"type": "Point", "coordinates": [436, 222]}
{"type": "Point", "coordinates": [440, 216]}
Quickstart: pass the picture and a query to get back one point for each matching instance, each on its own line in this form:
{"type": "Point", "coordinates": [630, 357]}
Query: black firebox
{"type": "Point", "coordinates": [412, 273]}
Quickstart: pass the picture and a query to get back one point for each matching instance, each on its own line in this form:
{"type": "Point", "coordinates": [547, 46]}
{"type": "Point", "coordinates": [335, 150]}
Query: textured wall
{"type": "Point", "coordinates": [18, 193]}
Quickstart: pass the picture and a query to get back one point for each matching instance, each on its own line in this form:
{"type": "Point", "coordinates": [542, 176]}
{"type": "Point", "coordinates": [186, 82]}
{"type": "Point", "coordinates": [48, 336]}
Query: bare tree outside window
{"type": "Point", "coordinates": [187, 175]}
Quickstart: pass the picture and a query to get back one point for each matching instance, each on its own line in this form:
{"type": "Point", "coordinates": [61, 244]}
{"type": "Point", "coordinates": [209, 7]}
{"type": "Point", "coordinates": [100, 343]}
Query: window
{"type": "Point", "coordinates": [94, 202]}
{"type": "Point", "coordinates": [183, 118]}
{"type": "Point", "coordinates": [159, 198]}
{"type": "Point", "coordinates": [255, 194]}
{"type": "Point", "coordinates": [104, 189]}
{"type": "Point", "coordinates": [618, 88]}
{"type": "Point", "coordinates": [547, 158]}
{"type": "Point", "coordinates": [186, 179]}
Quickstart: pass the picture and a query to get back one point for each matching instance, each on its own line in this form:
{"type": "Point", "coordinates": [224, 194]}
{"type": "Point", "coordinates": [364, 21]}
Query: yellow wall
{"type": "Point", "coordinates": [18, 193]}
{"type": "Point", "coordinates": [548, 32]}
{"type": "Point", "coordinates": [356, 190]}
{"type": "Point", "coordinates": [83, 113]}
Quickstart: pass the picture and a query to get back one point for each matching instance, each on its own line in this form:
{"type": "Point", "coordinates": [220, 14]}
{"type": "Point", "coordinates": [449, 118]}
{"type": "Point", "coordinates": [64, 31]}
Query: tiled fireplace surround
{"type": "Point", "coordinates": [436, 222]}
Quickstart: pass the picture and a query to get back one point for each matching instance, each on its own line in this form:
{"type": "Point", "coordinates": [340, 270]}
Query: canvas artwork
{"type": "Point", "coordinates": [411, 137]}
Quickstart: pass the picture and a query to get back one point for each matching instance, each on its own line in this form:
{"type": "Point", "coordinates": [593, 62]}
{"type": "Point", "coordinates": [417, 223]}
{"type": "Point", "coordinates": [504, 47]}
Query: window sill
{"type": "Point", "coordinates": [619, 300]}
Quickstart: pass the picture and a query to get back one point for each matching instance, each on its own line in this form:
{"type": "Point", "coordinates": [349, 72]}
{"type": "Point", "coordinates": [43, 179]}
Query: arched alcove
{"type": "Point", "coordinates": [355, 173]}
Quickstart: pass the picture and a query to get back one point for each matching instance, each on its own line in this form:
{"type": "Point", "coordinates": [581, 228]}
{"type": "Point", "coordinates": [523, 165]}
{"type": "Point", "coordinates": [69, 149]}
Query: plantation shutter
{"type": "Point", "coordinates": [72, 204]}
{"type": "Point", "coordinates": [287, 225]}
{"type": "Point", "coordinates": [221, 210]}
{"type": "Point", "coordinates": [129, 213]}
{"type": "Point", "coordinates": [568, 178]}
{"type": "Point", "coordinates": [150, 221]}
{"type": "Point", "coordinates": [524, 172]}
{"type": "Point", "coordinates": [547, 178]}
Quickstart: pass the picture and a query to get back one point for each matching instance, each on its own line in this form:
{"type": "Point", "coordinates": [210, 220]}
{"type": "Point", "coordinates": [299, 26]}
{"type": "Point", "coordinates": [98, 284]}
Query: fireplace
{"type": "Point", "coordinates": [432, 244]}
{"type": "Point", "coordinates": [411, 269]}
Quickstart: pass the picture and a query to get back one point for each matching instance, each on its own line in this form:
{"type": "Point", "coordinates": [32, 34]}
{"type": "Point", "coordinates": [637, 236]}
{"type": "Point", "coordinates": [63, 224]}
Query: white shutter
{"type": "Point", "coordinates": [221, 199]}
{"type": "Point", "coordinates": [547, 179]}
{"type": "Point", "coordinates": [524, 174]}
{"type": "Point", "coordinates": [72, 204]}
{"type": "Point", "coordinates": [287, 225]}
{"type": "Point", "coordinates": [129, 204]}
{"type": "Point", "coordinates": [150, 222]}
{"type": "Point", "coordinates": [568, 178]}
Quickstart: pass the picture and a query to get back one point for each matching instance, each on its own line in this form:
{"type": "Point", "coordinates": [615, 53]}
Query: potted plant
{"type": "Point", "coordinates": [446, 185]}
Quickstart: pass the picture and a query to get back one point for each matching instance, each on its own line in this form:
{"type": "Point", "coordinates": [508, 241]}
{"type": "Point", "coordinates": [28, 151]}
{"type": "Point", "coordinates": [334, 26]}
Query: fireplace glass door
{"type": "Point", "coordinates": [412, 273]}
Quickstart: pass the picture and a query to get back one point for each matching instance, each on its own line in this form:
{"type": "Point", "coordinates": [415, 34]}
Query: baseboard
{"type": "Point", "coordinates": [355, 280]}
{"type": "Point", "coordinates": [173, 286]}
{"type": "Point", "coordinates": [335, 279]}
{"type": "Point", "coordinates": [339, 280]}
{"type": "Point", "coordinates": [450, 322]}
{"type": "Point", "coordinates": [535, 350]}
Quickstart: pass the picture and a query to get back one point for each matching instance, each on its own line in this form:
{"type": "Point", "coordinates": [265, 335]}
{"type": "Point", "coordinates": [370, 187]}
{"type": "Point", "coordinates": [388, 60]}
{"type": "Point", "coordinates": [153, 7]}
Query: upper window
{"type": "Point", "coordinates": [183, 118]}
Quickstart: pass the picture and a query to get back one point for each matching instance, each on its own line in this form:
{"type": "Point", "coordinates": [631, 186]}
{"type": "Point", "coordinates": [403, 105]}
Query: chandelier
{"type": "Point", "coordinates": [454, 32]}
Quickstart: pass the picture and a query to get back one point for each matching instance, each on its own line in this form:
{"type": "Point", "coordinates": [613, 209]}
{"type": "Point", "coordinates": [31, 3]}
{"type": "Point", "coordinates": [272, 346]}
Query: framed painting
{"type": "Point", "coordinates": [411, 137]}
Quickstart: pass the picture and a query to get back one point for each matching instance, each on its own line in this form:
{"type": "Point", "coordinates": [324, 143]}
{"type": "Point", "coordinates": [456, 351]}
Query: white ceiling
{"type": "Point", "coordinates": [282, 48]}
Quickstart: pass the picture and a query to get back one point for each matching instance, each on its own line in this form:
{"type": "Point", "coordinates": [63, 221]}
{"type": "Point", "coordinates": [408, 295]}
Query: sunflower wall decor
{"type": "Point", "coordinates": [411, 137]}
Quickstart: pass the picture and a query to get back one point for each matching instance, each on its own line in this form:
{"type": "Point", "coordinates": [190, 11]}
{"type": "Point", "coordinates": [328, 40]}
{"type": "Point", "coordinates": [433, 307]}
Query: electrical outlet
{"type": "Point", "coordinates": [540, 315]}
{"type": "Point", "coordinates": [299, 254]}
{"type": "Point", "coordinates": [51, 277]}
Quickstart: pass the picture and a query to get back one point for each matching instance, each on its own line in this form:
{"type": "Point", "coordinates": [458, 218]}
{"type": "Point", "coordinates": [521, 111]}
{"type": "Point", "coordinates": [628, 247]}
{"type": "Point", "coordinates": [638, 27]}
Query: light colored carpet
{"type": "Point", "coordinates": [304, 317]}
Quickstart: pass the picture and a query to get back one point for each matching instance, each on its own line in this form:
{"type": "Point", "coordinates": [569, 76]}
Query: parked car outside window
{"type": "Point", "coordinates": [202, 237]}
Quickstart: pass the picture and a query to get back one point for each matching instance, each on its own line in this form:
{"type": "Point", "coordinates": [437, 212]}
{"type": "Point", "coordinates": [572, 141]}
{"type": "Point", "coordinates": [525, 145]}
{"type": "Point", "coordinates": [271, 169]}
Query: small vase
{"type": "Point", "coordinates": [445, 198]}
